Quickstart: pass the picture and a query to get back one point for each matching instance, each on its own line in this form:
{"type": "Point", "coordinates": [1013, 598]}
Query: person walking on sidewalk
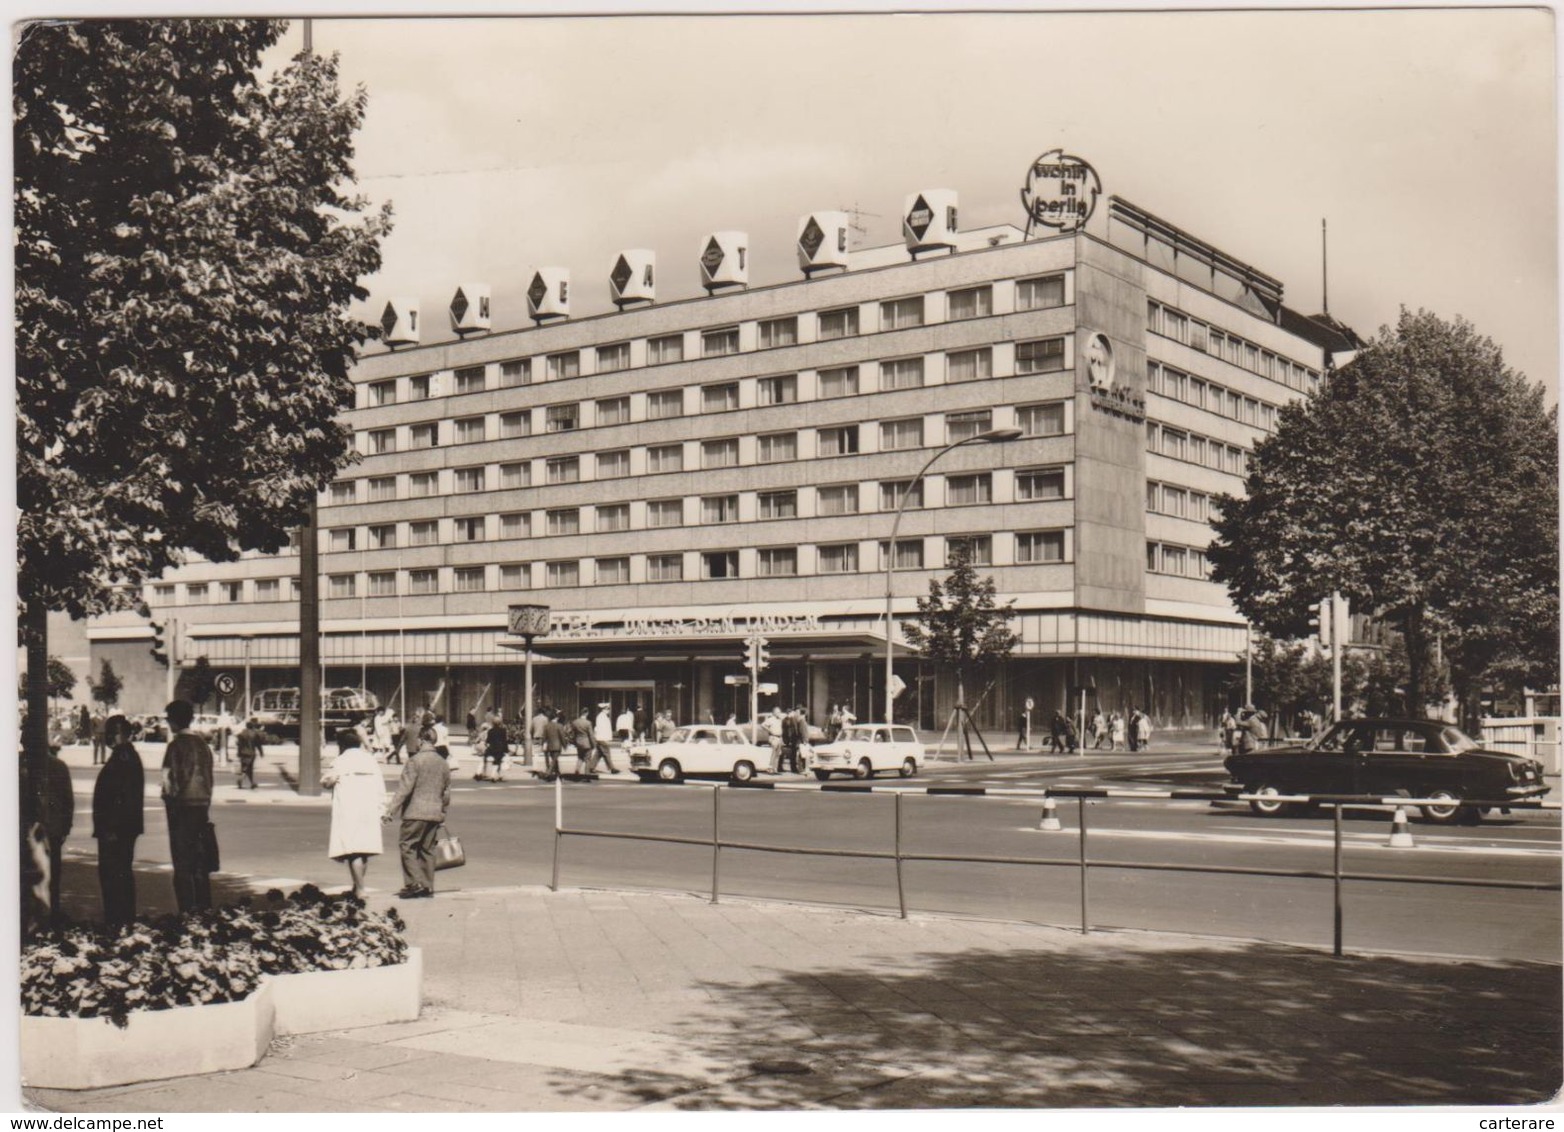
{"type": "Point", "coordinates": [553, 742]}
{"type": "Point", "coordinates": [582, 739]}
{"type": "Point", "coordinates": [422, 798]}
{"type": "Point", "coordinates": [100, 750]}
{"type": "Point", "coordinates": [1115, 732]}
{"type": "Point", "coordinates": [1143, 731]}
{"type": "Point", "coordinates": [1099, 731]}
{"type": "Point", "coordinates": [358, 797]}
{"type": "Point", "coordinates": [117, 799]}
{"type": "Point", "coordinates": [496, 746]}
{"type": "Point", "coordinates": [187, 798]}
{"type": "Point", "coordinates": [248, 746]}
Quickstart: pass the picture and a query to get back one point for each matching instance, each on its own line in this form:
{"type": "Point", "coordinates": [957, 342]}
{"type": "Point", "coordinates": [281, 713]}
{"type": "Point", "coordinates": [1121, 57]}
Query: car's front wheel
{"type": "Point", "coordinates": [669, 770]}
{"type": "Point", "coordinates": [1266, 804]}
{"type": "Point", "coordinates": [743, 771]}
{"type": "Point", "coordinates": [864, 769]}
{"type": "Point", "coordinates": [909, 767]}
{"type": "Point", "coordinates": [1448, 810]}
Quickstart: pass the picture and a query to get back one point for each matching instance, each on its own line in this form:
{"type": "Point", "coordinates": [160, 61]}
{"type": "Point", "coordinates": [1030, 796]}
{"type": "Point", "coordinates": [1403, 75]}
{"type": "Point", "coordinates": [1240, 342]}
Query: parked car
{"type": "Point", "coordinates": [864, 749]}
{"type": "Point", "coordinates": [1414, 758]}
{"type": "Point", "coordinates": [700, 750]}
{"type": "Point", "coordinates": [150, 728]}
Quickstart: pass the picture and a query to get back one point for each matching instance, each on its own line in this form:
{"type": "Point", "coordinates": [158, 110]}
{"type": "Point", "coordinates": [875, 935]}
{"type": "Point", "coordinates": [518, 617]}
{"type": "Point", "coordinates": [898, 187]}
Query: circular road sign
{"type": "Point", "coordinates": [226, 684]}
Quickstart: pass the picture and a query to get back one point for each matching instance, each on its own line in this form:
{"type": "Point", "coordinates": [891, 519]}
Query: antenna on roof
{"type": "Point", "coordinates": [857, 215]}
{"type": "Point", "coordinates": [1324, 270]}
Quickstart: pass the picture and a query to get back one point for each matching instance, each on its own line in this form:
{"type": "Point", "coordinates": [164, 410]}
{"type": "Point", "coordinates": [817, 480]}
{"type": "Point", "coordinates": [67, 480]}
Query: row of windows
{"type": "Point", "coordinates": [1180, 561]}
{"type": "Point", "coordinates": [1208, 395]}
{"type": "Point", "coordinates": [894, 314]}
{"type": "Point", "coordinates": [1206, 451]}
{"type": "Point", "coordinates": [1179, 502]}
{"type": "Point", "coordinates": [1040, 356]}
{"type": "Point", "coordinates": [1037, 420]}
{"type": "Point", "coordinates": [1192, 332]}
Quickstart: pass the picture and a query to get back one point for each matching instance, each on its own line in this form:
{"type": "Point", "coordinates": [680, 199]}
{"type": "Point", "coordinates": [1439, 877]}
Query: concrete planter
{"type": "Point", "coordinates": [313, 1001]}
{"type": "Point", "coordinates": [92, 1053]}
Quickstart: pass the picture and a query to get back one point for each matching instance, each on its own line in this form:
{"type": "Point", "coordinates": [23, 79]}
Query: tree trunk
{"type": "Point", "coordinates": [1415, 644]}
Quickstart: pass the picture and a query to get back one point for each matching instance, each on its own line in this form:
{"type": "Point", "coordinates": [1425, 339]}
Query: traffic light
{"type": "Point", "coordinates": [762, 653]}
{"type": "Point", "coordinates": [159, 648]}
{"type": "Point", "coordinates": [1321, 621]}
{"type": "Point", "coordinates": [1341, 620]}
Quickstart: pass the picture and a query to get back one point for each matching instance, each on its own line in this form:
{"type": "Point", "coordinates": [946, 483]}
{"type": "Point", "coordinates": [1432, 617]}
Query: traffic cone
{"type": "Point", "coordinates": [1400, 835]}
{"type": "Point", "coordinates": [1050, 816]}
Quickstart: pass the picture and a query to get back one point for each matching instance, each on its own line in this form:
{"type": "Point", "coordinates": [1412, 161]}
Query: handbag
{"type": "Point", "coordinates": [209, 854]}
{"type": "Point", "coordinates": [448, 852]}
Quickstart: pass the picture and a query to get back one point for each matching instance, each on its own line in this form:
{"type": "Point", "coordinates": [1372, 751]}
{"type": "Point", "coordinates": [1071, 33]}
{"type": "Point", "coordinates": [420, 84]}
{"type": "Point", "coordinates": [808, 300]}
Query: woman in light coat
{"type": "Point", "coordinates": [358, 798]}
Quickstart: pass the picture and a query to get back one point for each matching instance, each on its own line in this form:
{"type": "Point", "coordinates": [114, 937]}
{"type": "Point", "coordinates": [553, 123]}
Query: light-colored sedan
{"type": "Point", "coordinates": [700, 750]}
{"type": "Point", "coordinates": [864, 749]}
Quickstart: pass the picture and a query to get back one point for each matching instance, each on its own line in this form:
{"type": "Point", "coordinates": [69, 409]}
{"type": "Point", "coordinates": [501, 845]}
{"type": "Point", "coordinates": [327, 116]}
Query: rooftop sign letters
{"type": "Point", "coordinates": [579, 626]}
{"type": "Point", "coordinates": [1060, 192]}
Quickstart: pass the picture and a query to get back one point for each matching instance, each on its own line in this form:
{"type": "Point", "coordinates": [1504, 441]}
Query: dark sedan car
{"type": "Point", "coordinates": [1415, 758]}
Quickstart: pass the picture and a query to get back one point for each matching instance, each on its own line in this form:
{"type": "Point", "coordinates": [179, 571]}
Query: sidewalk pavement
{"type": "Point", "coordinates": [589, 1000]}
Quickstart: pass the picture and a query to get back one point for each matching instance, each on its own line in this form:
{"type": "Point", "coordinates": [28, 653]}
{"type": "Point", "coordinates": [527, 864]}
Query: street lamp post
{"type": "Point", "coordinates": [992, 436]}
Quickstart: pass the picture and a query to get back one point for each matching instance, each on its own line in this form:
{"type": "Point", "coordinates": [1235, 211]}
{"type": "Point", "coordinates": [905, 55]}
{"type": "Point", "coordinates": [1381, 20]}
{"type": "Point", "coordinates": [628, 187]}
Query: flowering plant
{"type": "Point", "coordinates": [220, 955]}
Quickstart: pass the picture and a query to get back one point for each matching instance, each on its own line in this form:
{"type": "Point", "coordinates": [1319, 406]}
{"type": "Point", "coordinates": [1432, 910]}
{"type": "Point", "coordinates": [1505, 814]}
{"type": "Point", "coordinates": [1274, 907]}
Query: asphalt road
{"type": "Point", "coordinates": [270, 836]}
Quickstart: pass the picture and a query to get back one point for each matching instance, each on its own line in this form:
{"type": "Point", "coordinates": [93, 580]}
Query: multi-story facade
{"type": "Point", "coordinates": [672, 475]}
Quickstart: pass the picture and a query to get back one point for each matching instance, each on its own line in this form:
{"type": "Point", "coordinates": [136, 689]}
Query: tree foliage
{"type": "Point", "coordinates": [60, 680]}
{"type": "Point", "coordinates": [197, 683]}
{"type": "Point", "coordinates": [106, 691]}
{"type": "Point", "coordinates": [1422, 483]}
{"type": "Point", "coordinates": [186, 251]}
{"type": "Point", "coordinates": [961, 627]}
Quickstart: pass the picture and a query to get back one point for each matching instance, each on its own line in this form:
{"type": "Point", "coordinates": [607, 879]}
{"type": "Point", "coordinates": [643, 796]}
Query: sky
{"type": "Point", "coordinates": [1426, 138]}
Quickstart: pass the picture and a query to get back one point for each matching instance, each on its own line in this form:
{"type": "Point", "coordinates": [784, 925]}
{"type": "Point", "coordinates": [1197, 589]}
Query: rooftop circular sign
{"type": "Point", "coordinates": [1060, 192]}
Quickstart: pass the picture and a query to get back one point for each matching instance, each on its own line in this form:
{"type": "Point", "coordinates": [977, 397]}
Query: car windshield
{"type": "Point", "coordinates": [683, 735]}
{"type": "Point", "coordinates": [861, 734]}
{"type": "Point", "coordinates": [1456, 740]}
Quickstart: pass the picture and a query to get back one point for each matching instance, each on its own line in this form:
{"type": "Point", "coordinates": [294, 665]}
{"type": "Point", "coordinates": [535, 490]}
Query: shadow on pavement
{"type": "Point", "coordinates": [1127, 1027]}
{"type": "Point", "coordinates": [82, 899]}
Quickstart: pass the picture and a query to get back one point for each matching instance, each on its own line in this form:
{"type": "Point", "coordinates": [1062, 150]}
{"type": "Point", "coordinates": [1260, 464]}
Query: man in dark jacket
{"type": "Point", "coordinates": [117, 822]}
{"type": "Point", "coordinates": [553, 740]}
{"type": "Point", "coordinates": [57, 826]}
{"type": "Point", "coordinates": [248, 746]}
{"type": "Point", "coordinates": [187, 797]}
{"type": "Point", "coordinates": [421, 800]}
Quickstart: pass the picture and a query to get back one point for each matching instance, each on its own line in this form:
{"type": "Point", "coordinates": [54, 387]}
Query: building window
{"type": "Point", "coordinates": [382, 441]}
{"type": "Point", "coordinates": [382, 393]}
{"type": "Point", "coordinates": [565, 521]}
{"type": "Point", "coordinates": [776, 446]}
{"type": "Point", "coordinates": [613, 411]}
{"type": "Point", "coordinates": [960, 426]}
{"type": "Point", "coordinates": [902, 373]}
{"type": "Point", "coordinates": [563, 469]}
{"type": "Point", "coordinates": [720, 564]}
{"type": "Point", "coordinates": [779, 332]}
{"type": "Point", "coordinates": [468, 580]}
{"type": "Point", "coordinates": [720, 453]}
{"type": "Point", "coordinates": [971, 302]}
{"type": "Point", "coordinates": [841, 382]}
{"type": "Point", "coordinates": [716, 343]}
{"type": "Point", "coordinates": [841, 441]}
{"type": "Point", "coordinates": [781, 390]}
{"type": "Point", "coordinates": [970, 365]}
{"type": "Point", "coordinates": [1040, 293]}
{"type": "Point", "coordinates": [342, 539]}
{"type": "Point", "coordinates": [1041, 420]}
{"type": "Point", "coordinates": [425, 532]}
{"type": "Point", "coordinates": [613, 571]}
{"type": "Point", "coordinates": [1040, 483]}
{"type": "Point", "coordinates": [837, 499]}
{"type": "Point", "coordinates": [979, 549]}
{"type": "Point", "coordinates": [841, 558]}
{"type": "Point", "coordinates": [382, 584]}
{"type": "Point", "coordinates": [195, 593]}
{"type": "Point", "coordinates": [613, 517]}
{"type": "Point", "coordinates": [562, 418]}
{"type": "Point", "coordinates": [421, 485]}
{"type": "Point", "coordinates": [343, 491]}
{"type": "Point", "coordinates": [665, 513]}
{"type": "Point", "coordinates": [514, 426]}
{"type": "Point", "coordinates": [900, 314]}
{"type": "Point", "coordinates": [613, 465]}
{"type": "Point", "coordinates": [664, 403]}
{"type": "Point", "coordinates": [516, 475]}
{"type": "Point", "coordinates": [515, 576]}
{"type": "Point", "coordinates": [421, 582]}
{"type": "Point", "coordinates": [419, 388]}
{"type": "Point", "coordinates": [665, 567]}
{"type": "Point", "coordinates": [516, 373]}
{"type": "Point", "coordinates": [424, 435]}
{"type": "Point", "coordinates": [901, 434]}
{"type": "Point", "coordinates": [778, 504]}
{"type": "Point", "coordinates": [669, 348]}
{"type": "Point", "coordinates": [778, 561]}
{"type": "Point", "coordinates": [1174, 444]}
{"type": "Point", "coordinates": [469, 528]}
{"type": "Point", "coordinates": [469, 480]}
{"type": "Point", "coordinates": [566, 365]}
{"type": "Point", "coordinates": [342, 585]}
{"type": "Point", "coordinates": [1040, 546]}
{"type": "Point", "coordinates": [665, 458]}
{"type": "Point", "coordinates": [1175, 501]}
{"type": "Point", "coordinates": [470, 380]}
{"type": "Point", "coordinates": [516, 524]}
{"type": "Point", "coordinates": [383, 537]}
{"type": "Point", "coordinates": [295, 590]}
{"type": "Point", "coordinates": [469, 430]}
{"type": "Point", "coordinates": [268, 589]}
{"type": "Point", "coordinates": [719, 398]}
{"type": "Point", "coordinates": [1045, 355]}
{"type": "Point", "coordinates": [164, 594]}
{"type": "Point", "coordinates": [841, 323]}
{"type": "Point", "coordinates": [962, 491]}
{"type": "Point", "coordinates": [382, 489]}
{"type": "Point", "coordinates": [909, 554]}
{"type": "Point", "coordinates": [612, 358]}
{"type": "Point", "coordinates": [719, 509]}
{"type": "Point", "coordinates": [230, 592]}
{"type": "Point", "coordinates": [892, 492]}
